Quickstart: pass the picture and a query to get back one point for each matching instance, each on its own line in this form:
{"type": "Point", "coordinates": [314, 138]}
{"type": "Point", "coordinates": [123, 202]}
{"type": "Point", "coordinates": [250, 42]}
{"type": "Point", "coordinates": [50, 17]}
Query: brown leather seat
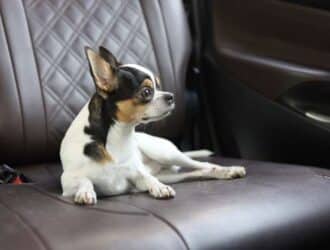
{"type": "Point", "coordinates": [44, 82]}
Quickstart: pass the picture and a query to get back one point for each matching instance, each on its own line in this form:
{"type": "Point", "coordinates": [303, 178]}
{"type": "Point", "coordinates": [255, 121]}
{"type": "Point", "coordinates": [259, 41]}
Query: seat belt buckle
{"type": "Point", "coordinates": [9, 175]}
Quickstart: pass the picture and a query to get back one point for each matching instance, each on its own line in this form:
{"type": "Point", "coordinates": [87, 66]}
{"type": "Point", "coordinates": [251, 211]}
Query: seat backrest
{"type": "Point", "coordinates": [44, 76]}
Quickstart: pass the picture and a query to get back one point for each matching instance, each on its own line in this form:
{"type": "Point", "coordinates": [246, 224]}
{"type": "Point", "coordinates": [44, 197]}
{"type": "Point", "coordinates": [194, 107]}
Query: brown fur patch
{"type": "Point", "coordinates": [129, 110]}
{"type": "Point", "coordinates": [147, 83]}
{"type": "Point", "coordinates": [97, 152]}
{"type": "Point", "coordinates": [106, 157]}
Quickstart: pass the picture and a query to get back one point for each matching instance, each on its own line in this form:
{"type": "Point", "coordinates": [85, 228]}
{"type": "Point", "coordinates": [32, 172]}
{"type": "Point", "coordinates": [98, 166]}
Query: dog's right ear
{"type": "Point", "coordinates": [104, 74]}
{"type": "Point", "coordinates": [106, 54]}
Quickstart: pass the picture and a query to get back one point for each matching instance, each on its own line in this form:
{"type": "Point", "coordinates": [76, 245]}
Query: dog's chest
{"type": "Point", "coordinates": [123, 149]}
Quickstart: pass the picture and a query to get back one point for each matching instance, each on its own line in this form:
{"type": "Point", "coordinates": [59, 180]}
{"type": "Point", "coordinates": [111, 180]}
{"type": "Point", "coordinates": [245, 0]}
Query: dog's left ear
{"type": "Point", "coordinates": [109, 57]}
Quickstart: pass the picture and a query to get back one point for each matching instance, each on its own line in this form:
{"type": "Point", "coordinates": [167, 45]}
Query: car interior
{"type": "Point", "coordinates": [251, 84]}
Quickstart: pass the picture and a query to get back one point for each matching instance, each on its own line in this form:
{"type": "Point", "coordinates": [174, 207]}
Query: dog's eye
{"type": "Point", "coordinates": [146, 93]}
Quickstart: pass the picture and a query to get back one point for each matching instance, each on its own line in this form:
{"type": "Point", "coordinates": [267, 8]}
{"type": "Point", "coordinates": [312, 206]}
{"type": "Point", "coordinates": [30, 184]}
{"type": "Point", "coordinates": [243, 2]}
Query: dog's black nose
{"type": "Point", "coordinates": [169, 98]}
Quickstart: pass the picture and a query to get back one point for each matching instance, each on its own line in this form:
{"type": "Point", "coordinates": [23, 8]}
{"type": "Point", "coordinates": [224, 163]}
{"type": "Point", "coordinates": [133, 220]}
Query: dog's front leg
{"type": "Point", "coordinates": [144, 181]}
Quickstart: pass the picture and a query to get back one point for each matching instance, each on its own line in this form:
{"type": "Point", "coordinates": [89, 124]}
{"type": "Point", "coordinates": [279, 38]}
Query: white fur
{"type": "Point", "coordinates": [198, 153]}
{"type": "Point", "coordinates": [141, 162]}
{"type": "Point", "coordinates": [142, 69]}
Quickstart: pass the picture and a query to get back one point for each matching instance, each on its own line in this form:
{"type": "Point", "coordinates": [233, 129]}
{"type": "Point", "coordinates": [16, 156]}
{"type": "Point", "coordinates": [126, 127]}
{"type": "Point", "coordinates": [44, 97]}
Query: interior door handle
{"type": "Point", "coordinates": [318, 117]}
{"type": "Point", "coordinates": [309, 99]}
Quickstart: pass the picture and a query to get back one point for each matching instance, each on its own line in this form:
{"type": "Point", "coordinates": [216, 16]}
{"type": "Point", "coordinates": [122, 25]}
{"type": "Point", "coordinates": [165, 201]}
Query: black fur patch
{"type": "Point", "coordinates": [100, 120]}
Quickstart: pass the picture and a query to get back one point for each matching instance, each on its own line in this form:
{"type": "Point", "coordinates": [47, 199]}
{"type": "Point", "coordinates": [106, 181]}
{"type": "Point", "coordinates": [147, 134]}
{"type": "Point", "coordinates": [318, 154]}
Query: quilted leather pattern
{"type": "Point", "coordinates": [59, 31]}
{"type": "Point", "coordinates": [44, 75]}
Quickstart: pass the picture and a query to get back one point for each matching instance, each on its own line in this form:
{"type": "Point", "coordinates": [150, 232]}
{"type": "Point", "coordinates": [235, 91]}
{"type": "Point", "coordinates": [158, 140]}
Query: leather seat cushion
{"type": "Point", "coordinates": [276, 206]}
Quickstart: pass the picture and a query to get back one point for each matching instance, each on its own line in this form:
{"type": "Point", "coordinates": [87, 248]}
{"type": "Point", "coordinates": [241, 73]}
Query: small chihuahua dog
{"type": "Point", "coordinates": [101, 152]}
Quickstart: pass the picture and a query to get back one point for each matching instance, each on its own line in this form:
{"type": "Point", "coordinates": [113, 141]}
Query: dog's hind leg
{"type": "Point", "coordinates": [200, 174]}
{"type": "Point", "coordinates": [167, 154]}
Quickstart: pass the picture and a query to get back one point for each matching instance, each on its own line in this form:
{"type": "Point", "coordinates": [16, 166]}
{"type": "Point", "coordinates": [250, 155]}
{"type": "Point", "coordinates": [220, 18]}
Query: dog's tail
{"type": "Point", "coordinates": [198, 153]}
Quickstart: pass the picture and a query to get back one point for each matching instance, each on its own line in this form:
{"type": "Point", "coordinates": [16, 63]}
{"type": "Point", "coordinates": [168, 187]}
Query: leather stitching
{"type": "Point", "coordinates": [60, 31]}
{"type": "Point", "coordinates": [54, 197]}
{"type": "Point", "coordinates": [45, 193]}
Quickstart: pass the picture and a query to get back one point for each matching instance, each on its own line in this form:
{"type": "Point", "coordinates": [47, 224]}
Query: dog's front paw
{"type": "Point", "coordinates": [85, 197]}
{"type": "Point", "coordinates": [160, 190]}
{"type": "Point", "coordinates": [227, 172]}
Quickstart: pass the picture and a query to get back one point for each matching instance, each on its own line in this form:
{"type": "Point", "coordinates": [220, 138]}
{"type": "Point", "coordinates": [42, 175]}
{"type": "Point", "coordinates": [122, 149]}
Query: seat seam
{"type": "Point", "coordinates": [160, 218]}
{"type": "Point", "coordinates": [25, 222]}
{"type": "Point", "coordinates": [38, 75]}
{"type": "Point", "coordinates": [169, 47]}
{"type": "Point", "coordinates": [150, 34]}
{"type": "Point", "coordinates": [53, 197]}
{"type": "Point", "coordinates": [16, 84]}
{"type": "Point", "coordinates": [165, 221]}
{"type": "Point", "coordinates": [156, 53]}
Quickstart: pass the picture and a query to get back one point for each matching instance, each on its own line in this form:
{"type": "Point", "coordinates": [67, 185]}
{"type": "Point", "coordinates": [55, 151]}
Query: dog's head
{"type": "Point", "coordinates": [133, 90]}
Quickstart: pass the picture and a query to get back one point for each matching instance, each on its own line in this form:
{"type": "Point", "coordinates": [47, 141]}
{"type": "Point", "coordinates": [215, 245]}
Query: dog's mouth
{"type": "Point", "coordinates": [156, 118]}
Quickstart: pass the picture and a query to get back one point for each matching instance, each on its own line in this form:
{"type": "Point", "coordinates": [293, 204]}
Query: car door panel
{"type": "Point", "coordinates": [269, 64]}
{"type": "Point", "coordinates": [279, 43]}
